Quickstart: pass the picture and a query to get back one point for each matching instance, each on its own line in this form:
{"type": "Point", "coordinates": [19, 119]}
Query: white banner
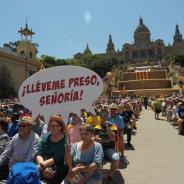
{"type": "Point", "coordinates": [60, 90]}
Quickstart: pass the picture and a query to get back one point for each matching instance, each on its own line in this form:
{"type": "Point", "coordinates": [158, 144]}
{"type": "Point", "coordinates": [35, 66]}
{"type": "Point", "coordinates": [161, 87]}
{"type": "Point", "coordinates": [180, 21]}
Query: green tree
{"type": "Point", "coordinates": [98, 64]}
{"type": "Point", "coordinates": [7, 84]}
{"type": "Point", "coordinates": [179, 60]}
{"type": "Point", "coordinates": [11, 45]}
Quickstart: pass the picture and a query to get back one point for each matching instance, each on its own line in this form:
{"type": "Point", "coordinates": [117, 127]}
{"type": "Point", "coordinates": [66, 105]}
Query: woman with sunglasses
{"type": "Point", "coordinates": [53, 152]}
{"type": "Point", "coordinates": [87, 158]}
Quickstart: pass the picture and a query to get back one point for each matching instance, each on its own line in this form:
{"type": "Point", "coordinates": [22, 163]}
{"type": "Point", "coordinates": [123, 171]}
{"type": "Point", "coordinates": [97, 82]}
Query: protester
{"type": "Point", "coordinates": [87, 158]}
{"type": "Point", "coordinates": [131, 114]}
{"type": "Point", "coordinates": [13, 127]}
{"type": "Point", "coordinates": [93, 119]}
{"type": "Point", "coordinates": [53, 153]}
{"type": "Point", "coordinates": [180, 114]}
{"type": "Point", "coordinates": [157, 108]}
{"type": "Point", "coordinates": [22, 147]}
{"type": "Point", "coordinates": [126, 114]}
{"type": "Point", "coordinates": [83, 115]}
{"type": "Point", "coordinates": [145, 102]}
{"type": "Point", "coordinates": [118, 120]}
{"type": "Point", "coordinates": [4, 138]}
{"type": "Point", "coordinates": [39, 122]}
{"type": "Point", "coordinates": [105, 134]}
{"type": "Point", "coordinates": [74, 128]}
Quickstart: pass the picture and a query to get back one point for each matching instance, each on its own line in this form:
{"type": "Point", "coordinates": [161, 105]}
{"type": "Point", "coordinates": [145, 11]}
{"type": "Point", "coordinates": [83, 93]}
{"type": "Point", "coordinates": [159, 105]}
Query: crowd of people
{"type": "Point", "coordinates": [170, 108]}
{"type": "Point", "coordinates": [72, 151]}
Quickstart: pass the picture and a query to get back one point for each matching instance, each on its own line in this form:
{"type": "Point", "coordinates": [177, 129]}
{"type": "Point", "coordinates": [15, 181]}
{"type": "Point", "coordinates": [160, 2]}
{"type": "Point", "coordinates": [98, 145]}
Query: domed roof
{"type": "Point", "coordinates": [87, 51]}
{"type": "Point", "coordinates": [141, 27]}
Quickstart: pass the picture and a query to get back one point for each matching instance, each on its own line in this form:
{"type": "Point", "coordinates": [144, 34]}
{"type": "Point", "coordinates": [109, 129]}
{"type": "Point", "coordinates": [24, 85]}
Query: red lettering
{"type": "Point", "coordinates": [67, 97]}
{"type": "Point", "coordinates": [93, 79]}
{"type": "Point", "coordinates": [47, 101]}
{"type": "Point", "coordinates": [62, 83]}
{"type": "Point", "coordinates": [42, 100]}
{"type": "Point", "coordinates": [70, 82]}
{"type": "Point", "coordinates": [48, 85]}
{"type": "Point", "coordinates": [44, 84]}
{"type": "Point", "coordinates": [87, 80]}
{"type": "Point", "coordinates": [28, 90]}
{"type": "Point", "coordinates": [32, 88]}
{"type": "Point", "coordinates": [37, 87]}
{"type": "Point", "coordinates": [55, 85]}
{"type": "Point", "coordinates": [76, 81]}
{"type": "Point", "coordinates": [75, 96]}
{"type": "Point", "coordinates": [81, 93]}
{"type": "Point", "coordinates": [81, 81]}
{"type": "Point", "coordinates": [54, 99]}
{"type": "Point", "coordinates": [60, 98]}
{"type": "Point", "coordinates": [24, 90]}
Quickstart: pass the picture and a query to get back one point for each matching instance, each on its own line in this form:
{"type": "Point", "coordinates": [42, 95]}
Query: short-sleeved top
{"type": "Point", "coordinates": [157, 105]}
{"type": "Point", "coordinates": [94, 154]}
{"type": "Point", "coordinates": [118, 120]}
{"type": "Point", "coordinates": [56, 150]}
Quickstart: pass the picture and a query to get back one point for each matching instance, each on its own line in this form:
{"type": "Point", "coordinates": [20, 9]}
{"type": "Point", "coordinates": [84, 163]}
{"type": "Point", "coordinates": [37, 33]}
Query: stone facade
{"type": "Point", "coordinates": [21, 63]}
{"type": "Point", "coordinates": [19, 66]}
{"type": "Point", "coordinates": [143, 48]}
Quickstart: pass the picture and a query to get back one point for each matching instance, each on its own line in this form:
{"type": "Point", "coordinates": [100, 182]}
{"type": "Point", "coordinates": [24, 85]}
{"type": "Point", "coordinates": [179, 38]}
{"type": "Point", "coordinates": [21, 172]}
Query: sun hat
{"type": "Point", "coordinates": [113, 106]}
{"type": "Point", "coordinates": [57, 118]}
{"type": "Point", "coordinates": [26, 120]}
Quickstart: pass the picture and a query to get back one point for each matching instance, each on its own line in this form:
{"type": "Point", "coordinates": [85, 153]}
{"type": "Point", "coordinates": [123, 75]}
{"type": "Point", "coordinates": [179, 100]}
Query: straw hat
{"type": "Point", "coordinates": [57, 118]}
{"type": "Point", "coordinates": [113, 106]}
{"type": "Point", "coordinates": [26, 120]}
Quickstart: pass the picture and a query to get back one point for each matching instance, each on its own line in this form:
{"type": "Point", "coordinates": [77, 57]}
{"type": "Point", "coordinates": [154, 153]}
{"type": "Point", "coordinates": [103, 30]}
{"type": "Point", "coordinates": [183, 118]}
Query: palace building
{"type": "Point", "coordinates": [143, 48]}
{"type": "Point", "coordinates": [21, 63]}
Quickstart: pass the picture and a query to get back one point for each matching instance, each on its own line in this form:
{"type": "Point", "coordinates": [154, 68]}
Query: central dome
{"type": "Point", "coordinates": [141, 27]}
{"type": "Point", "coordinates": [141, 34]}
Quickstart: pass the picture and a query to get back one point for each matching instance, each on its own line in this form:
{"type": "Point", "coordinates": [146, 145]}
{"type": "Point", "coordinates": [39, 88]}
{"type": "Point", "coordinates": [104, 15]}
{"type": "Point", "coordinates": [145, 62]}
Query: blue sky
{"type": "Point", "coordinates": [63, 27]}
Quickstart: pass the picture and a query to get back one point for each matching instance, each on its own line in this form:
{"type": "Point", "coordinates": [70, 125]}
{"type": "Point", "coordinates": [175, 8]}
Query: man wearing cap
{"type": "Point", "coordinates": [22, 147]}
{"type": "Point", "coordinates": [118, 120]}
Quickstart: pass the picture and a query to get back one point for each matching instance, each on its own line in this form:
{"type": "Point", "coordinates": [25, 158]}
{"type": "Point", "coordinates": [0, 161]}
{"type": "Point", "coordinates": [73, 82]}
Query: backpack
{"type": "Point", "coordinates": [23, 173]}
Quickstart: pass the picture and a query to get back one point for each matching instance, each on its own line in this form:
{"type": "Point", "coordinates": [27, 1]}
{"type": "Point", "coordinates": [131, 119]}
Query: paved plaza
{"type": "Point", "coordinates": [158, 157]}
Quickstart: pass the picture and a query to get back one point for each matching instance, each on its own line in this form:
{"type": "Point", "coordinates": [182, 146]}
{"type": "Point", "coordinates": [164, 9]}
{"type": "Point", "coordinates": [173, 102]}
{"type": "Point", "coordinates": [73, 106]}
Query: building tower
{"type": "Point", "coordinates": [87, 51]}
{"type": "Point", "coordinates": [177, 39]}
{"type": "Point", "coordinates": [110, 46]}
{"type": "Point", "coordinates": [141, 35]}
{"type": "Point", "coordinates": [25, 46]}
